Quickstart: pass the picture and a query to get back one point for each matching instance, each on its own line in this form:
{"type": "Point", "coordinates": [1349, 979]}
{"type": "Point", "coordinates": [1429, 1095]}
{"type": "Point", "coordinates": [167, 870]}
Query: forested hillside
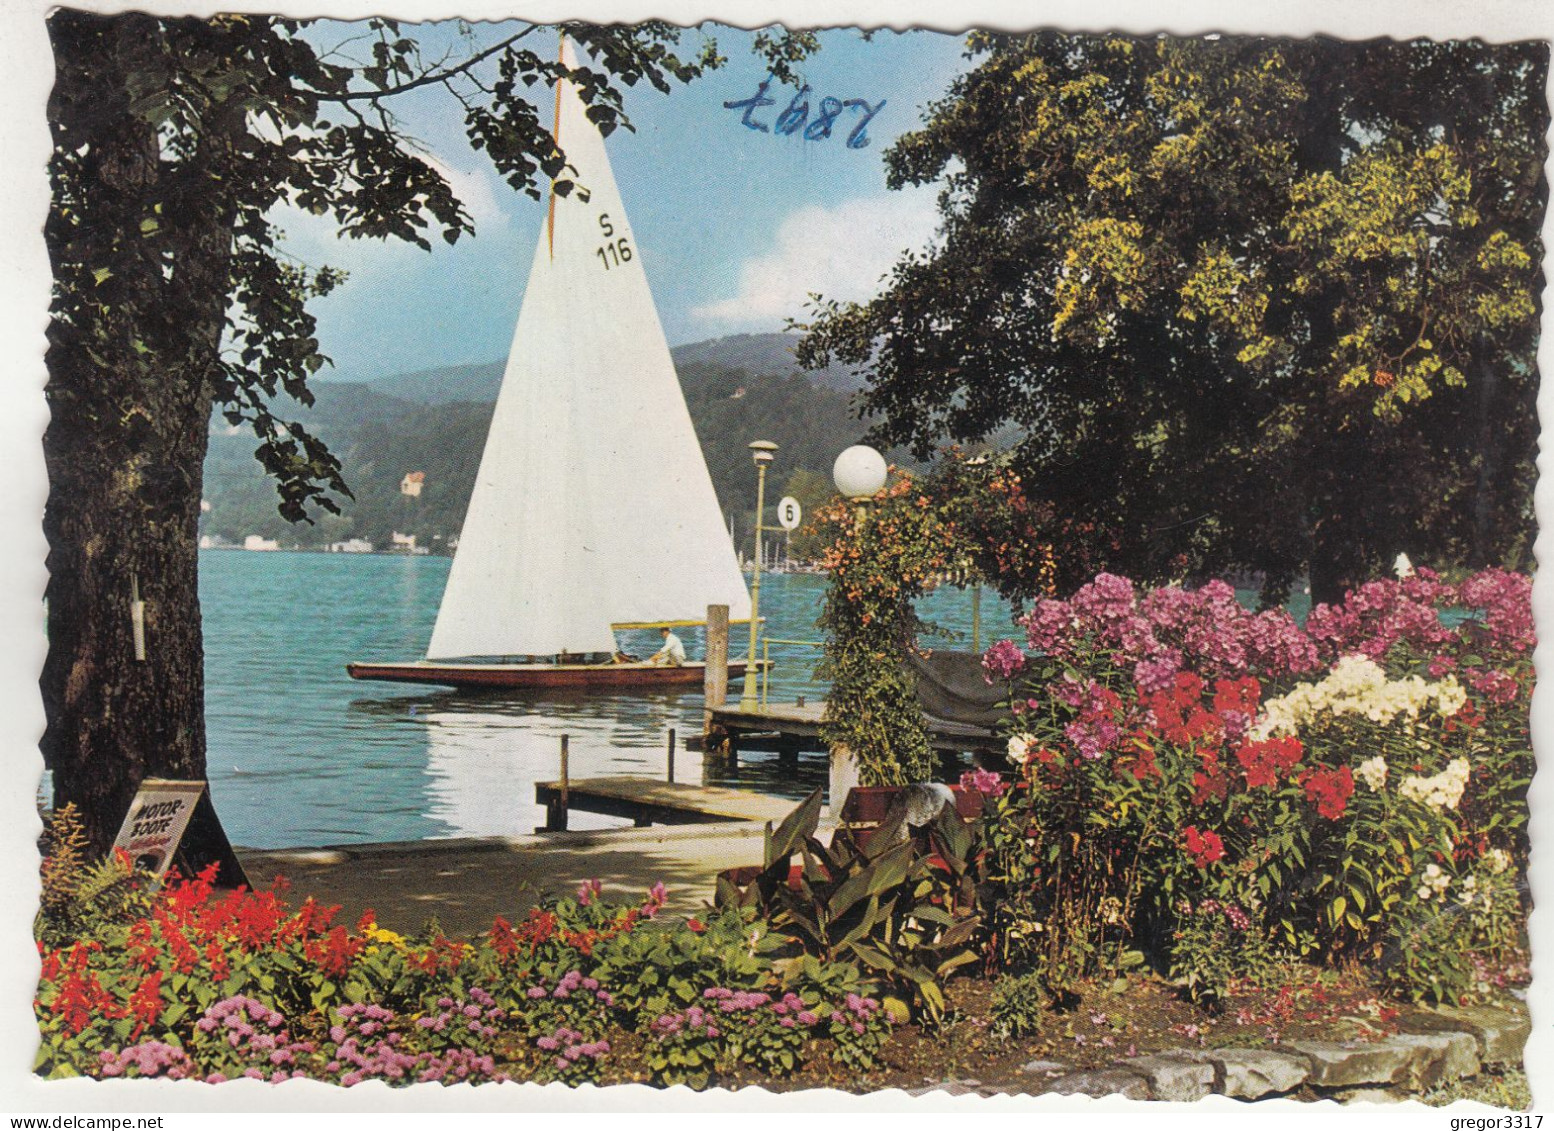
{"type": "Point", "coordinates": [435, 422]}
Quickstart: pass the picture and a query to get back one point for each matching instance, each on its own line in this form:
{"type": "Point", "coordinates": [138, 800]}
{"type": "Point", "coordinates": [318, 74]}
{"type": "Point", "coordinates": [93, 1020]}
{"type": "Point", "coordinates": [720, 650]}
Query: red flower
{"type": "Point", "coordinates": [1237, 695]}
{"type": "Point", "coordinates": [334, 952]}
{"type": "Point", "coordinates": [1264, 762]}
{"type": "Point", "coordinates": [503, 941]}
{"type": "Point", "coordinates": [1329, 789]}
{"type": "Point", "coordinates": [216, 958]}
{"type": "Point", "coordinates": [696, 926]}
{"type": "Point", "coordinates": [145, 1004]}
{"type": "Point", "coordinates": [1204, 847]}
{"type": "Point", "coordinates": [1209, 785]}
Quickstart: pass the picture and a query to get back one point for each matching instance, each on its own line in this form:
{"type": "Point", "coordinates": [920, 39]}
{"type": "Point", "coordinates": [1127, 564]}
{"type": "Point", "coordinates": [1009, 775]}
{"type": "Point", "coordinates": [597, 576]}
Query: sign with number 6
{"type": "Point", "coordinates": [789, 513]}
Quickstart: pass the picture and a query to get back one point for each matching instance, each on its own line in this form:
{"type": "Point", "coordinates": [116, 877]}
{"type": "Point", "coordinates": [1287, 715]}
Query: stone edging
{"type": "Point", "coordinates": [1443, 1044]}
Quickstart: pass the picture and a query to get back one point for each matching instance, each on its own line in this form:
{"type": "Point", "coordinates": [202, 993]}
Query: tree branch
{"type": "Point", "coordinates": [426, 79]}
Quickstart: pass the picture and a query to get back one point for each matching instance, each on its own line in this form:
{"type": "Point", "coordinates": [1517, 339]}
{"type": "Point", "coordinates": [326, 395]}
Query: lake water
{"type": "Point", "coordinates": [301, 754]}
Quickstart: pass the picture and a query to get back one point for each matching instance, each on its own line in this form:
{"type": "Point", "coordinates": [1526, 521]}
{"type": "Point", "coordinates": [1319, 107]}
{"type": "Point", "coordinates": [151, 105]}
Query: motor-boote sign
{"type": "Point", "coordinates": [157, 820]}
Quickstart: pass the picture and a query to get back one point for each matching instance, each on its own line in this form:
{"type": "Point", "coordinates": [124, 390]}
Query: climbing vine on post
{"type": "Point", "coordinates": [879, 561]}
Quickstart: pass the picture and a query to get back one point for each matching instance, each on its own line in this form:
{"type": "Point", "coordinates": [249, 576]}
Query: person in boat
{"type": "Point", "coordinates": [672, 653]}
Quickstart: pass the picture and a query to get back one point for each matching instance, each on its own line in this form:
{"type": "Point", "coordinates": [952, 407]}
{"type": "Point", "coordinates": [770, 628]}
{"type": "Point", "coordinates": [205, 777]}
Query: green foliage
{"type": "Point", "coordinates": [880, 558]}
{"type": "Point", "coordinates": [80, 899]}
{"type": "Point", "coordinates": [902, 910]}
{"type": "Point", "coordinates": [1020, 1004]}
{"type": "Point", "coordinates": [1249, 304]}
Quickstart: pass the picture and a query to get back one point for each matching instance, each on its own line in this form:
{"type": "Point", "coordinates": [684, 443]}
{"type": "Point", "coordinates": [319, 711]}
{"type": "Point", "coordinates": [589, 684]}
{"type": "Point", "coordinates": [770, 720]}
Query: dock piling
{"type": "Point", "coordinates": [669, 777]}
{"type": "Point", "coordinates": [715, 679]}
{"type": "Point", "coordinates": [556, 805]}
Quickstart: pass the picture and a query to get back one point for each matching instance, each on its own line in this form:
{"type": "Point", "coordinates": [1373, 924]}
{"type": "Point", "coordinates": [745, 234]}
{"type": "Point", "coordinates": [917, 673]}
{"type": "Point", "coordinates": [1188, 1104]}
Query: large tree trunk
{"type": "Point", "coordinates": [123, 512]}
{"type": "Point", "coordinates": [130, 391]}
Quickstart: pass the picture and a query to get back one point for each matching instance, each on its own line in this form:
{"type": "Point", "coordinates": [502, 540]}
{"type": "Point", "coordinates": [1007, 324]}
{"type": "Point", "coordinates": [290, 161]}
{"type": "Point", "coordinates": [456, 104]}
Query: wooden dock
{"type": "Point", "coordinates": [650, 801]}
{"type": "Point", "coordinates": [791, 729]}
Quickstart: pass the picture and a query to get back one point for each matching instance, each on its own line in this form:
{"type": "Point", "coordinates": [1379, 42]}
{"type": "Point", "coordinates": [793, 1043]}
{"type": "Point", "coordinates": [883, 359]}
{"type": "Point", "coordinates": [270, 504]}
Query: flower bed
{"type": "Point", "coordinates": [1209, 789]}
{"type": "Point", "coordinates": [1205, 804]}
{"type": "Point", "coordinates": [189, 983]}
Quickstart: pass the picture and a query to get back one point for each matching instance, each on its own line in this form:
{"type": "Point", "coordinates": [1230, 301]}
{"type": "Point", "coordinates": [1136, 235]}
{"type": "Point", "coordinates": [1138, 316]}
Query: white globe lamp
{"type": "Point", "coordinates": [859, 472]}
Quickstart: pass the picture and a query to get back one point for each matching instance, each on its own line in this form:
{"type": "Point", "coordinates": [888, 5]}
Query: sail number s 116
{"type": "Point", "coordinates": [612, 252]}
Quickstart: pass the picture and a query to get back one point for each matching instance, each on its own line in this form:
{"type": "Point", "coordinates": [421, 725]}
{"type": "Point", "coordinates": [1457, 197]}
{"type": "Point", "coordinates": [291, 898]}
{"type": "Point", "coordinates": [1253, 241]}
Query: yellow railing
{"type": "Point", "coordinates": [766, 657]}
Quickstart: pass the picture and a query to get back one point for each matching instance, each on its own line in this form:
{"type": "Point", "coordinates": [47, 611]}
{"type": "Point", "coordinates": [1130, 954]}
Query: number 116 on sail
{"type": "Point", "coordinates": [612, 253]}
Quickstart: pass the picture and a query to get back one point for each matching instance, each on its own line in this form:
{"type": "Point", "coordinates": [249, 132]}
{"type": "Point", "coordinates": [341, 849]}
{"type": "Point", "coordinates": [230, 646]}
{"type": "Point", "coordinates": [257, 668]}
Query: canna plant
{"type": "Point", "coordinates": [905, 911]}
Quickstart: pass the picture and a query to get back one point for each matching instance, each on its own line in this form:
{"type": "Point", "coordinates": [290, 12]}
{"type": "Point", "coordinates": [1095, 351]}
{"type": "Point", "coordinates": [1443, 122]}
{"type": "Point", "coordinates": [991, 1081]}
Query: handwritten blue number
{"type": "Point", "coordinates": [859, 139]}
{"type": "Point", "coordinates": [820, 128]}
{"type": "Point", "coordinates": [750, 105]}
{"type": "Point", "coordinates": [791, 119]}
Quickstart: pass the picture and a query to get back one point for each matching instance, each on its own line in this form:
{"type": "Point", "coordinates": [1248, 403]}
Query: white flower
{"type": "Point", "coordinates": [1443, 791]}
{"type": "Point", "coordinates": [1434, 883]}
{"type": "Point", "coordinates": [1358, 686]}
{"type": "Point", "coordinates": [1497, 860]}
{"type": "Point", "coordinates": [1020, 748]}
{"type": "Point", "coordinates": [1373, 772]}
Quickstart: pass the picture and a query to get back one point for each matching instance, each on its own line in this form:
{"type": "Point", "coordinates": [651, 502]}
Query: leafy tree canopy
{"type": "Point", "coordinates": [1251, 304]}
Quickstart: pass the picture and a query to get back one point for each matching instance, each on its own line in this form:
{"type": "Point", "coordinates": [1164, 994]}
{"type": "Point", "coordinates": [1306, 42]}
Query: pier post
{"type": "Point", "coordinates": [556, 808]}
{"type": "Point", "coordinates": [669, 777]}
{"type": "Point", "coordinates": [715, 680]}
{"type": "Point", "coordinates": [715, 683]}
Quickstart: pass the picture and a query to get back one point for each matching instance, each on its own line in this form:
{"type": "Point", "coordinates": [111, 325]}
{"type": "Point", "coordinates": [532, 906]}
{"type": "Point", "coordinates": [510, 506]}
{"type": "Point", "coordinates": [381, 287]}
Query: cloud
{"type": "Point", "coordinates": [841, 252]}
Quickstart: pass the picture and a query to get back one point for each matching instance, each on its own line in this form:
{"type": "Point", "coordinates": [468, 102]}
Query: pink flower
{"type": "Point", "coordinates": [1003, 661]}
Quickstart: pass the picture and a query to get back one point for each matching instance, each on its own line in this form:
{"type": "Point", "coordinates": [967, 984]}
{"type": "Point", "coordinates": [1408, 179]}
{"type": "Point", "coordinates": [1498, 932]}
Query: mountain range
{"type": "Point", "coordinates": [737, 389]}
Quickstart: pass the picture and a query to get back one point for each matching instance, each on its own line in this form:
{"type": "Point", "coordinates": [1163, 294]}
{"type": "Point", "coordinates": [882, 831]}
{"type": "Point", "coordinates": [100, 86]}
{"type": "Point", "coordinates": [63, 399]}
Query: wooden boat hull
{"type": "Point", "coordinates": [642, 676]}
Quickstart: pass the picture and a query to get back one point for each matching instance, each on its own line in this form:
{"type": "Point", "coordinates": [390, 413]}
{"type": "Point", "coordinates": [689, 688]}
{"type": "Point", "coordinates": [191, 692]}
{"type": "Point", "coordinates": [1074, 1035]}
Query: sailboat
{"type": "Point", "coordinates": [593, 510]}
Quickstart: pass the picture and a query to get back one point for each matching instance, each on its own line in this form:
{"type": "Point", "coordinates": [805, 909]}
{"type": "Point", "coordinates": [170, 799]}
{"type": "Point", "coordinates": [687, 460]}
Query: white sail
{"type": "Point", "coordinates": [593, 506]}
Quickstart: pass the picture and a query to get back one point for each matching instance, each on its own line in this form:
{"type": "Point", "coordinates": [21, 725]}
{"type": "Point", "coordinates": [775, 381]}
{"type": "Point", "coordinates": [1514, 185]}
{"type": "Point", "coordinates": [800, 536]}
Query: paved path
{"type": "Point", "coordinates": [467, 883]}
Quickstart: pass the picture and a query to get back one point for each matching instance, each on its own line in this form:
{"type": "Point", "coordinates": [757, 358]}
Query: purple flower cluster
{"type": "Point", "coordinates": [256, 1034]}
{"type": "Point", "coordinates": [1379, 614]}
{"type": "Point", "coordinates": [1234, 914]}
{"type": "Point", "coordinates": [240, 1033]}
{"type": "Point", "coordinates": [1171, 629]}
{"type": "Point", "coordinates": [1003, 661]}
{"type": "Point", "coordinates": [476, 1016]}
{"type": "Point", "coordinates": [571, 984]}
{"type": "Point", "coordinates": [1094, 729]}
{"type": "Point", "coordinates": [687, 1021]}
{"type": "Point", "coordinates": [570, 1047]}
{"type": "Point", "coordinates": [149, 1058]}
{"type": "Point", "coordinates": [1505, 599]}
{"type": "Point", "coordinates": [986, 782]}
{"type": "Point", "coordinates": [856, 1013]}
{"type": "Point", "coordinates": [1208, 632]}
{"type": "Point", "coordinates": [366, 1050]}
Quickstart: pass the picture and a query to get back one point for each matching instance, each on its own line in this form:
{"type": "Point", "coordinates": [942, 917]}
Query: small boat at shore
{"type": "Point", "coordinates": [593, 510]}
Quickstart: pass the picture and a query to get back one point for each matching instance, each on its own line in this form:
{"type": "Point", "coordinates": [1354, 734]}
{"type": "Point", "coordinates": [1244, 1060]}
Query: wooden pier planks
{"type": "Point", "coordinates": [650, 801]}
{"type": "Point", "coordinates": [799, 728]}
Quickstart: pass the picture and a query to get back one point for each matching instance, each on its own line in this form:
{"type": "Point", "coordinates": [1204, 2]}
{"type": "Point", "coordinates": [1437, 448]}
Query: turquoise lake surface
{"type": "Point", "coordinates": [301, 754]}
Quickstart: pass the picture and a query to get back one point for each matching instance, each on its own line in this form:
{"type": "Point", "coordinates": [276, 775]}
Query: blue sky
{"type": "Point", "coordinates": [736, 225]}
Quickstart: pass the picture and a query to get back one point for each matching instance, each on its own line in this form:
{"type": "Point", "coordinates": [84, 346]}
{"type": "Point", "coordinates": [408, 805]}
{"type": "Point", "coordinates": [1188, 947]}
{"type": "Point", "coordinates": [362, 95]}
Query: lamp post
{"type": "Point", "coordinates": [761, 452]}
{"type": "Point", "coordinates": [859, 473]}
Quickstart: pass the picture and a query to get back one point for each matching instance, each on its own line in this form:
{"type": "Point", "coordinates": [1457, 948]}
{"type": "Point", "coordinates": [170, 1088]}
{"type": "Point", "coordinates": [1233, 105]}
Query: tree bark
{"type": "Point", "coordinates": [126, 444]}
